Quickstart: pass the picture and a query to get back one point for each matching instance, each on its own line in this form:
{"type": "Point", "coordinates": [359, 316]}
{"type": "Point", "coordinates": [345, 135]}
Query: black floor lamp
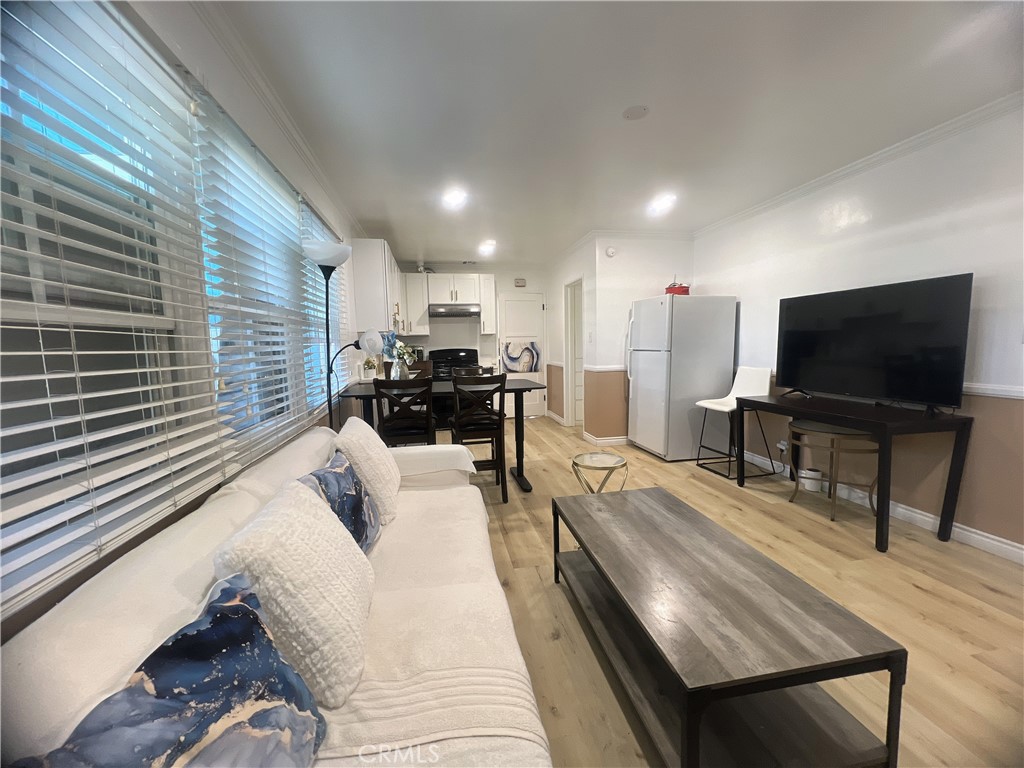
{"type": "Point", "coordinates": [328, 256]}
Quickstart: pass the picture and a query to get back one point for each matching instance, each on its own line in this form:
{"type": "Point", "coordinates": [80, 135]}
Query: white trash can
{"type": "Point", "coordinates": [810, 479]}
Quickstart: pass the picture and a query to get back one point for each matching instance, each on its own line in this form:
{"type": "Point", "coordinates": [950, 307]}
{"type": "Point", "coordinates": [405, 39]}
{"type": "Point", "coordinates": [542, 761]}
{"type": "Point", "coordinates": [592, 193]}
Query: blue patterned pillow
{"type": "Point", "coordinates": [217, 692]}
{"type": "Point", "coordinates": [340, 486]}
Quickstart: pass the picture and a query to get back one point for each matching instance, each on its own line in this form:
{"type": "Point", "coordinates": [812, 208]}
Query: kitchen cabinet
{"type": "Point", "coordinates": [453, 288]}
{"type": "Point", "coordinates": [376, 285]}
{"type": "Point", "coordinates": [414, 320]}
{"type": "Point", "coordinates": [488, 305]}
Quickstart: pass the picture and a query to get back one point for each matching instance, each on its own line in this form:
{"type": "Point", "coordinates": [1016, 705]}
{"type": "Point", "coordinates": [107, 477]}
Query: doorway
{"type": "Point", "coordinates": [573, 400]}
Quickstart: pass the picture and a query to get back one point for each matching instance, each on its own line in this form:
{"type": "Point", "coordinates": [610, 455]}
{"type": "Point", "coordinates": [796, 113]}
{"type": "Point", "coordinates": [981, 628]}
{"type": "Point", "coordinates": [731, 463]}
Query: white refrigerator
{"type": "Point", "coordinates": [681, 349]}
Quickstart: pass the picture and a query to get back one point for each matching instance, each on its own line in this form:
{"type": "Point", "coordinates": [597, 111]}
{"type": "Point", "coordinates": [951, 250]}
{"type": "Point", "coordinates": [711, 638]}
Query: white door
{"type": "Point", "coordinates": [521, 333]}
{"type": "Point", "coordinates": [648, 400]}
{"type": "Point", "coordinates": [650, 327]}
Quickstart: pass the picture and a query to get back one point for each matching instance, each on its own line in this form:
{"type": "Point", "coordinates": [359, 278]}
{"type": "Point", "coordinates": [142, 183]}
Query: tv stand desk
{"type": "Point", "coordinates": [883, 423]}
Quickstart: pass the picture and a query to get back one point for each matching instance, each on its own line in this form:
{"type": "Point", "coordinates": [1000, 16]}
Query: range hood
{"type": "Point", "coordinates": [453, 310]}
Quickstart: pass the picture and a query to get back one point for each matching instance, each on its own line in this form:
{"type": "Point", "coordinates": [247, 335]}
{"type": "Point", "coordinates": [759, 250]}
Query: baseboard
{"type": "Point", "coordinates": [987, 542]}
{"type": "Point", "coordinates": [605, 440]}
{"type": "Point", "coordinates": [556, 418]}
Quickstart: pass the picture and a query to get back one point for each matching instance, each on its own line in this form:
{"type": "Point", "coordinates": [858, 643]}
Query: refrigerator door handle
{"type": "Point", "coordinates": [629, 347]}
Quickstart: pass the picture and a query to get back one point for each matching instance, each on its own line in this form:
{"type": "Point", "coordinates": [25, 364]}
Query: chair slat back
{"type": "Point", "coordinates": [479, 399]}
{"type": "Point", "coordinates": [404, 404]}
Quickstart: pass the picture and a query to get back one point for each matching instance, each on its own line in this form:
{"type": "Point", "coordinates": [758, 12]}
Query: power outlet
{"type": "Point", "coordinates": [782, 445]}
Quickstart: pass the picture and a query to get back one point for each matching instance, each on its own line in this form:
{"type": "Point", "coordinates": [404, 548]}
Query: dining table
{"type": "Point", "coordinates": [440, 388]}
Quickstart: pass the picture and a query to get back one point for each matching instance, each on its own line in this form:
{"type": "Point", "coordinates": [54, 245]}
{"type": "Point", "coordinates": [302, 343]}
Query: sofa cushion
{"type": "Point", "coordinates": [439, 538]}
{"type": "Point", "coordinates": [310, 450]}
{"type": "Point", "coordinates": [216, 692]}
{"type": "Point", "coordinates": [84, 648]}
{"type": "Point", "coordinates": [315, 585]}
{"type": "Point", "coordinates": [339, 486]}
{"type": "Point", "coordinates": [374, 464]}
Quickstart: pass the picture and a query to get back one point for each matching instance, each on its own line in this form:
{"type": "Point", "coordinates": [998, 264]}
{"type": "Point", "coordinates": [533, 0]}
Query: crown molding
{"type": "Point", "coordinates": [948, 129]}
{"type": "Point", "coordinates": [223, 32]}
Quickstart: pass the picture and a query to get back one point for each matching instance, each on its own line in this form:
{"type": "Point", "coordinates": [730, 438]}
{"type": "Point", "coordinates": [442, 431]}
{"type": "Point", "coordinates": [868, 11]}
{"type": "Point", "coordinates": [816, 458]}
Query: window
{"type": "Point", "coordinates": [315, 228]}
{"type": "Point", "coordinates": [159, 329]}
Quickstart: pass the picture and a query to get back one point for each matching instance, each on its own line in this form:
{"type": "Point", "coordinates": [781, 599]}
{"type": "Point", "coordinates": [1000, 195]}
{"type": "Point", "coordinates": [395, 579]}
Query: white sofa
{"type": "Point", "coordinates": [444, 681]}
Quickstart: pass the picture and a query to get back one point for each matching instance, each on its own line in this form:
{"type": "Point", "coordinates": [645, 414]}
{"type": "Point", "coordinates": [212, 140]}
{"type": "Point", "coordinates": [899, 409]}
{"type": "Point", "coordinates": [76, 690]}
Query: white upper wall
{"type": "Point", "coordinates": [641, 267]}
{"type": "Point", "coordinates": [952, 206]}
{"type": "Point", "coordinates": [190, 35]}
{"type": "Point", "coordinates": [577, 264]}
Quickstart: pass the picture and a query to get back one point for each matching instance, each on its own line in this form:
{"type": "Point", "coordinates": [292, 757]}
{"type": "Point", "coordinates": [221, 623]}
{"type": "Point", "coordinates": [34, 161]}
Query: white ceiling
{"type": "Point", "coordinates": [522, 104]}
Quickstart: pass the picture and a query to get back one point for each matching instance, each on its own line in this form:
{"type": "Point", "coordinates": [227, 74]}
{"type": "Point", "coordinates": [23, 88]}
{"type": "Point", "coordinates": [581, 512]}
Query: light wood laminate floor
{"type": "Point", "coordinates": [957, 610]}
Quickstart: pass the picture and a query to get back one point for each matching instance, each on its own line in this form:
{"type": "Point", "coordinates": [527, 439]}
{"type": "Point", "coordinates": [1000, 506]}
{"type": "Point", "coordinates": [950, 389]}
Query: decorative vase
{"type": "Point", "coordinates": [399, 370]}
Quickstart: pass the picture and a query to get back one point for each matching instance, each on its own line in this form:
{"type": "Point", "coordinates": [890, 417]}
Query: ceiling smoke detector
{"type": "Point", "coordinates": [636, 112]}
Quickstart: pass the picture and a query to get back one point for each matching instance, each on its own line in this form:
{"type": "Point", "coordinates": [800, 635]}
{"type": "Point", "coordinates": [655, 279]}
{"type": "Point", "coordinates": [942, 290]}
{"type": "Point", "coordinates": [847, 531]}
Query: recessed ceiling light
{"type": "Point", "coordinates": [636, 112]}
{"type": "Point", "coordinates": [661, 204]}
{"type": "Point", "coordinates": [487, 247]}
{"type": "Point", "coordinates": [454, 198]}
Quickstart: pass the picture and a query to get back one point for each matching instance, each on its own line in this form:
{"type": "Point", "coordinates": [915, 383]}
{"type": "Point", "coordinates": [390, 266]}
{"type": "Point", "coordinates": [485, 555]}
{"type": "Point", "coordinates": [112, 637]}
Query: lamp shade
{"type": "Point", "coordinates": [371, 342]}
{"type": "Point", "coordinates": [324, 253]}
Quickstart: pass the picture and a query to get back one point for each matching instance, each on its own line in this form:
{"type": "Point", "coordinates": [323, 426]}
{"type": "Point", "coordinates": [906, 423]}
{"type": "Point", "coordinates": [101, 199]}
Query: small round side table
{"type": "Point", "coordinates": [601, 461]}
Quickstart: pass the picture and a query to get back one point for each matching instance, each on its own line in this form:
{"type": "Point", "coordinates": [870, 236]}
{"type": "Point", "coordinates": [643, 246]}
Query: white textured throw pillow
{"type": "Point", "coordinates": [373, 463]}
{"type": "Point", "coordinates": [315, 586]}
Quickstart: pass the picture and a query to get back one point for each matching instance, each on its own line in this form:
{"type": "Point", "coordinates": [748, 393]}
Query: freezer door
{"type": "Point", "coordinates": [651, 324]}
{"type": "Point", "coordinates": [648, 400]}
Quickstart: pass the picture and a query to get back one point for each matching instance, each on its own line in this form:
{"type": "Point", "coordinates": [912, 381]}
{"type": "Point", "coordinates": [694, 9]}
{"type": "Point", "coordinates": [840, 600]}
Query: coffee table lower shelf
{"type": "Point", "coordinates": [797, 726]}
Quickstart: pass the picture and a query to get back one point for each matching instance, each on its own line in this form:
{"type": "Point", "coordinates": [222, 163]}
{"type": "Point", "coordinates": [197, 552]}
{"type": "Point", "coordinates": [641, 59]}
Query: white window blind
{"type": "Point", "coordinates": [108, 416]}
{"type": "Point", "coordinates": [262, 294]}
{"type": "Point", "coordinates": [159, 328]}
{"type": "Point", "coordinates": [315, 228]}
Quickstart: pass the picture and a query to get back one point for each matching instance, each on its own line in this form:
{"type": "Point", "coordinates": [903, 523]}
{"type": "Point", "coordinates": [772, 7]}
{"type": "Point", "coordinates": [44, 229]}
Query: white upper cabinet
{"type": "Point", "coordinates": [377, 286]}
{"type": "Point", "coordinates": [453, 288]}
{"type": "Point", "coordinates": [415, 322]}
{"type": "Point", "coordinates": [488, 305]}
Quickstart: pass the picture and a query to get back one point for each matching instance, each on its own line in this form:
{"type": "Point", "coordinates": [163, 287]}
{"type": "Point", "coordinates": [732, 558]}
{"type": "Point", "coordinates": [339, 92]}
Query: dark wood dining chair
{"type": "Point", "coordinates": [405, 411]}
{"type": "Point", "coordinates": [480, 419]}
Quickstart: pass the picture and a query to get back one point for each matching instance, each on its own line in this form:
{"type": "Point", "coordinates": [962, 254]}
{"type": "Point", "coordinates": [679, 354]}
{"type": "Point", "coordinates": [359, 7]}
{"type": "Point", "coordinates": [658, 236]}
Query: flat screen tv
{"type": "Point", "coordinates": [904, 342]}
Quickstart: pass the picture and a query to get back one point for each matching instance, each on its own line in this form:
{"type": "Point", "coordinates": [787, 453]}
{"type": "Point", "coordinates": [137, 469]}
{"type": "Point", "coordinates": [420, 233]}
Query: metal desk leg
{"type": "Point", "coordinates": [897, 677]}
{"type": "Point", "coordinates": [956, 474]}
{"type": "Point", "coordinates": [884, 481]}
{"type": "Point", "coordinates": [741, 443]}
{"type": "Point", "coordinates": [368, 410]}
{"type": "Point", "coordinates": [693, 712]}
{"type": "Point", "coordinates": [518, 471]}
{"type": "Point", "coordinates": [554, 519]}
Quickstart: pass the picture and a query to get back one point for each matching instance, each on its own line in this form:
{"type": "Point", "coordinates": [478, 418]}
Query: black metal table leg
{"type": "Point", "coordinates": [693, 711]}
{"type": "Point", "coordinates": [554, 518]}
{"type": "Point", "coordinates": [956, 474]}
{"type": "Point", "coordinates": [897, 677]}
{"type": "Point", "coordinates": [882, 492]}
{"type": "Point", "coordinates": [518, 471]}
{"type": "Point", "coordinates": [740, 450]}
{"type": "Point", "coordinates": [368, 410]}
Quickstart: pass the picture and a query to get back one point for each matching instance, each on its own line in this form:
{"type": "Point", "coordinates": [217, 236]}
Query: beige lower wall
{"type": "Point", "coordinates": [556, 390]}
{"type": "Point", "coordinates": [992, 493]}
{"type": "Point", "coordinates": [605, 403]}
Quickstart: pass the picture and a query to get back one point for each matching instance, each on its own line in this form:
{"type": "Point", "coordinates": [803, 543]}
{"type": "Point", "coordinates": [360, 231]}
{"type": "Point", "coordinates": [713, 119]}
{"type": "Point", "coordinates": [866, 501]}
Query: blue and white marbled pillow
{"type": "Point", "coordinates": [217, 692]}
{"type": "Point", "coordinates": [340, 486]}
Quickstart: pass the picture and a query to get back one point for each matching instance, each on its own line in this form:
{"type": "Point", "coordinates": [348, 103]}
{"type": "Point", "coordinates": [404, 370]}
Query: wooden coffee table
{"type": "Point", "coordinates": [719, 648]}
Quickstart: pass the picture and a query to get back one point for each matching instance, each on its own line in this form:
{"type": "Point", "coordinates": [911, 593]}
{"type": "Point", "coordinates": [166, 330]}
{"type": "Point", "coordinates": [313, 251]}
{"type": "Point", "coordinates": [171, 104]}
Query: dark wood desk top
{"type": "Point", "coordinates": [365, 388]}
{"type": "Point", "coordinates": [856, 415]}
{"type": "Point", "coordinates": [719, 612]}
